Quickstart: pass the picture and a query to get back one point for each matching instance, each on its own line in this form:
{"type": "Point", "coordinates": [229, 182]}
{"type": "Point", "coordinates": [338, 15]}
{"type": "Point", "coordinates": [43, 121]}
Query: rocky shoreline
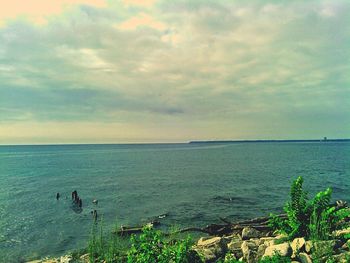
{"type": "Point", "coordinates": [252, 245]}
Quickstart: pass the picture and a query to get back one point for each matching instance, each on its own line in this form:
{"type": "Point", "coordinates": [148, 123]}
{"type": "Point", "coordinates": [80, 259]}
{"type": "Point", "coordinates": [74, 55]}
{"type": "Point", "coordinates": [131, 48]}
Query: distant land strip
{"type": "Point", "coordinates": [267, 141]}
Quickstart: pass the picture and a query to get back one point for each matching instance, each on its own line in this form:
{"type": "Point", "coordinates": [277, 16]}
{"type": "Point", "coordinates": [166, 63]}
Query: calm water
{"type": "Point", "coordinates": [194, 184]}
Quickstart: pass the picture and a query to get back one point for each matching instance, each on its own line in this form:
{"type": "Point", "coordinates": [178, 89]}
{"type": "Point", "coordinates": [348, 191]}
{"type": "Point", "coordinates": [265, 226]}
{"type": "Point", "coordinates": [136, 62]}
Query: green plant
{"type": "Point", "coordinates": [314, 219]}
{"type": "Point", "coordinates": [229, 258]}
{"type": "Point", "coordinates": [151, 246]}
{"type": "Point", "coordinates": [276, 258]}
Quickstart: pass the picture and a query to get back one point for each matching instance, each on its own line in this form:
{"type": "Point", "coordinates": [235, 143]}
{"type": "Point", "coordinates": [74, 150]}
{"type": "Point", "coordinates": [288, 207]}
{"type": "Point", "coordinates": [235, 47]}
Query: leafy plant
{"type": "Point", "coordinates": [150, 246]}
{"type": "Point", "coordinates": [314, 219]}
{"type": "Point", "coordinates": [276, 258]}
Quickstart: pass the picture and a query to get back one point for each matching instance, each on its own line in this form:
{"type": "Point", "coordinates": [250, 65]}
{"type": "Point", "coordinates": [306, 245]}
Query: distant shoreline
{"type": "Point", "coordinates": [268, 141]}
{"type": "Point", "coordinates": [176, 143]}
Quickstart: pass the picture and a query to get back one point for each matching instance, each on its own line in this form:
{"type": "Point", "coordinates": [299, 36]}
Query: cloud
{"type": "Point", "coordinates": [38, 11]}
{"type": "Point", "coordinates": [141, 20]}
{"type": "Point", "coordinates": [178, 70]}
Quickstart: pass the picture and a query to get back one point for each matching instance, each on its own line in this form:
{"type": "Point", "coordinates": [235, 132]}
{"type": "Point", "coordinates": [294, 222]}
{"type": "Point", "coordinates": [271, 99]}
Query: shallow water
{"type": "Point", "coordinates": [193, 183]}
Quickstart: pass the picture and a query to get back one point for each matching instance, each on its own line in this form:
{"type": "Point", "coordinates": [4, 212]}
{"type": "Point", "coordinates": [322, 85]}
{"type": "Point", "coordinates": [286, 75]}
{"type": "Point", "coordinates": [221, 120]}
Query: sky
{"type": "Point", "coordinates": [132, 71]}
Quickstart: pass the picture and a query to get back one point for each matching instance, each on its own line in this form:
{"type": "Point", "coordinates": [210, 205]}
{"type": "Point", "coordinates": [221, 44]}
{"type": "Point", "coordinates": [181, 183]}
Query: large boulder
{"type": "Point", "coordinates": [297, 245]}
{"type": "Point", "coordinates": [261, 251]}
{"type": "Point", "coordinates": [249, 249]}
{"type": "Point", "coordinates": [283, 249]}
{"type": "Point", "coordinates": [210, 248]}
{"type": "Point", "coordinates": [66, 259]}
{"type": "Point", "coordinates": [235, 247]}
{"type": "Point", "coordinates": [249, 232]}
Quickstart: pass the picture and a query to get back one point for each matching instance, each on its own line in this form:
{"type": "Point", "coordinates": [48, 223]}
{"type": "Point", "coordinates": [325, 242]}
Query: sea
{"type": "Point", "coordinates": [181, 185]}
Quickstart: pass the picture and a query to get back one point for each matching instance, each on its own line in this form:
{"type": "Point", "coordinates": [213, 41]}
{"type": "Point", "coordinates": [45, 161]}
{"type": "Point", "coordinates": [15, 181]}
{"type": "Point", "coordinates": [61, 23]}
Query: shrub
{"type": "Point", "coordinates": [150, 246]}
{"type": "Point", "coordinates": [314, 219]}
{"type": "Point", "coordinates": [276, 258]}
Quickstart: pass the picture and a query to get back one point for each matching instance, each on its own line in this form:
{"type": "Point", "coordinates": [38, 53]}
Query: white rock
{"type": "Point", "coordinates": [208, 242]}
{"type": "Point", "coordinates": [297, 246]}
{"type": "Point", "coordinates": [283, 249]}
{"type": "Point", "coordinates": [66, 259]}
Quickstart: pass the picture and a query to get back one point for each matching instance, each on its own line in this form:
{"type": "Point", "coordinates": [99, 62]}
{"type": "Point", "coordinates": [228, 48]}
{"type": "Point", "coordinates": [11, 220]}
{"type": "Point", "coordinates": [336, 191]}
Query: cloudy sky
{"type": "Point", "coordinates": [100, 71]}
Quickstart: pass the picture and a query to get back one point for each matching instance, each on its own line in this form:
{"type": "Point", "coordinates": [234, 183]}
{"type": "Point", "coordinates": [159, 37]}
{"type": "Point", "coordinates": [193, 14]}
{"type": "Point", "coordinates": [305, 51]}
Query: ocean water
{"type": "Point", "coordinates": [194, 184]}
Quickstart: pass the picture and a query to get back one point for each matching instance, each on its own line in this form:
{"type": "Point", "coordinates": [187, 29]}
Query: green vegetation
{"type": "Point", "coordinates": [313, 219]}
{"type": "Point", "coordinates": [149, 246]}
{"type": "Point", "coordinates": [275, 259]}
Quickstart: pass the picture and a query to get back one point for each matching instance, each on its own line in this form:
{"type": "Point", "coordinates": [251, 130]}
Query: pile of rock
{"type": "Point", "coordinates": [252, 245]}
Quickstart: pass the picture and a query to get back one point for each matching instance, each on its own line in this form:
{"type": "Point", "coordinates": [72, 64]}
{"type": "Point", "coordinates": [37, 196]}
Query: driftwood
{"type": "Point", "coordinates": [124, 230]}
{"type": "Point", "coordinates": [259, 223]}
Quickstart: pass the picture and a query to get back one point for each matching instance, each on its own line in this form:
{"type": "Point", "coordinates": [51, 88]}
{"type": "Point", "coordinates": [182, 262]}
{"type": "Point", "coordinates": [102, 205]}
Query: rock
{"type": "Point", "coordinates": [249, 232]}
{"type": "Point", "coordinates": [207, 254]}
{"type": "Point", "coordinates": [249, 251]}
{"type": "Point", "coordinates": [208, 241]}
{"type": "Point", "coordinates": [340, 233]}
{"type": "Point", "coordinates": [346, 245]}
{"type": "Point", "coordinates": [283, 249]}
{"type": "Point", "coordinates": [256, 241]}
{"type": "Point", "coordinates": [308, 246]}
{"type": "Point", "coordinates": [85, 258]}
{"type": "Point", "coordinates": [231, 238]}
{"type": "Point", "coordinates": [235, 247]}
{"type": "Point", "coordinates": [261, 251]}
{"type": "Point", "coordinates": [281, 236]}
{"type": "Point", "coordinates": [271, 242]}
{"type": "Point", "coordinates": [304, 258]}
{"type": "Point", "coordinates": [211, 248]}
{"type": "Point", "coordinates": [342, 258]}
{"type": "Point", "coordinates": [66, 259]}
{"type": "Point", "coordinates": [297, 245]}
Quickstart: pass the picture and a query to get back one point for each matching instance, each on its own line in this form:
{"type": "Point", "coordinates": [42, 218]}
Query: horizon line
{"type": "Point", "coordinates": [325, 139]}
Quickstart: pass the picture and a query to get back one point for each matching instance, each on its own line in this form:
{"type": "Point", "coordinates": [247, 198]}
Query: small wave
{"type": "Point", "coordinates": [233, 199]}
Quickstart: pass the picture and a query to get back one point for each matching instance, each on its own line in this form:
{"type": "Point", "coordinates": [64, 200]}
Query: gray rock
{"type": "Point", "coordinates": [304, 258]}
{"type": "Point", "coordinates": [210, 248]}
{"type": "Point", "coordinates": [249, 232]}
{"type": "Point", "coordinates": [261, 251]}
{"type": "Point", "coordinates": [283, 249]}
{"type": "Point", "coordinates": [249, 249]}
{"type": "Point", "coordinates": [208, 241]}
{"type": "Point", "coordinates": [257, 241]}
{"type": "Point", "coordinates": [235, 247]}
